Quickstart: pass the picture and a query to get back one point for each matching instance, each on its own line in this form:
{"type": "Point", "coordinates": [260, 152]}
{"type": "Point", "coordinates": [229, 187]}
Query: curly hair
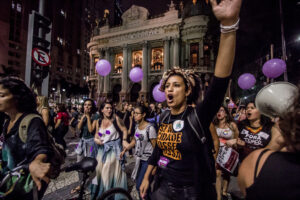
{"type": "Point", "coordinates": [290, 125]}
{"type": "Point", "coordinates": [25, 100]}
{"type": "Point", "coordinates": [191, 80]}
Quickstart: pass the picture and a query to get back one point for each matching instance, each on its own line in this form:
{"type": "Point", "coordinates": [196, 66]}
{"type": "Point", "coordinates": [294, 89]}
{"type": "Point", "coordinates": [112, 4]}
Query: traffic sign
{"type": "Point", "coordinates": [40, 57]}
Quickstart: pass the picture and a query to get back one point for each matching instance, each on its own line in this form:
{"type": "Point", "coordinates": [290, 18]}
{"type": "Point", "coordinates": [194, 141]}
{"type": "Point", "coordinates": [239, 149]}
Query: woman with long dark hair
{"type": "Point", "coordinates": [269, 174]}
{"type": "Point", "coordinates": [255, 132]}
{"type": "Point", "coordinates": [110, 134]}
{"type": "Point", "coordinates": [87, 133]}
{"type": "Point", "coordinates": [226, 130]}
{"type": "Point", "coordinates": [144, 141]}
{"type": "Point", "coordinates": [184, 146]}
{"type": "Point", "coordinates": [17, 101]}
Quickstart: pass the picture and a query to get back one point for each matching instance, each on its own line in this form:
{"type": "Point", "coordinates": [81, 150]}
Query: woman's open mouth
{"type": "Point", "coordinates": [170, 98]}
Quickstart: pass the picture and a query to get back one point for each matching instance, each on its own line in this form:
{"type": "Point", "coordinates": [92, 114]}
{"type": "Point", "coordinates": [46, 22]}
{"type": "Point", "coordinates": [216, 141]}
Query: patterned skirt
{"type": "Point", "coordinates": [109, 173]}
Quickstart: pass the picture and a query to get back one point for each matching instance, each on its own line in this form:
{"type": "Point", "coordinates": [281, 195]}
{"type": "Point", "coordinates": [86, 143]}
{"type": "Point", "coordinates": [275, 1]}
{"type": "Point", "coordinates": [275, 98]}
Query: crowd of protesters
{"type": "Point", "coordinates": [179, 148]}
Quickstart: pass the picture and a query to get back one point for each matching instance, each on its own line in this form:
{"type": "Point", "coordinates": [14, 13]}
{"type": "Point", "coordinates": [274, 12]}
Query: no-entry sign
{"type": "Point", "coordinates": [40, 57]}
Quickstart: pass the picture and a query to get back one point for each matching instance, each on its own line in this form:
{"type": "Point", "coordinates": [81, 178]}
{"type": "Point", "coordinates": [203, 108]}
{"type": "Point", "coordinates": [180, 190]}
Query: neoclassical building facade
{"type": "Point", "coordinates": [155, 45]}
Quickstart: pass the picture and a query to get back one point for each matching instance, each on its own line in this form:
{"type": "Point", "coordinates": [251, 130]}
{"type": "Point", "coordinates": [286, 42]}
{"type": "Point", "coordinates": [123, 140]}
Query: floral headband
{"type": "Point", "coordinates": [187, 74]}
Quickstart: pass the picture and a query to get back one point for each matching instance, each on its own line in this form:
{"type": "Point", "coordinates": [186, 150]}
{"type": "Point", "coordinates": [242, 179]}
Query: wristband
{"type": "Point", "coordinates": [231, 28]}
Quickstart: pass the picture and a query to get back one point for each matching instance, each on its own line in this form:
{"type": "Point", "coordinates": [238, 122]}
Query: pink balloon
{"type": "Point", "coordinates": [274, 68]}
{"type": "Point", "coordinates": [246, 81]}
{"type": "Point", "coordinates": [158, 95]}
{"type": "Point", "coordinates": [103, 67]}
{"type": "Point", "coordinates": [136, 74]}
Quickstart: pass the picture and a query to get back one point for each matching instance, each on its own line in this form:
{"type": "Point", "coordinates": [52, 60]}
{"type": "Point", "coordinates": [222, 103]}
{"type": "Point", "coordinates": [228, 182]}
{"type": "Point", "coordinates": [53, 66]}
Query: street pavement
{"type": "Point", "coordinates": [59, 189]}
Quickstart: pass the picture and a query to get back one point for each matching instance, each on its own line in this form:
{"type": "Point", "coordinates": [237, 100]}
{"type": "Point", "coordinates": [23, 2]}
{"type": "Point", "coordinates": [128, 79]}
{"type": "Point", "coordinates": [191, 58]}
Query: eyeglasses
{"type": "Point", "coordinates": [135, 113]}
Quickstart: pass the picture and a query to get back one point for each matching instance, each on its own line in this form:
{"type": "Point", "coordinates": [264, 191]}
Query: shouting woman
{"type": "Point", "coordinates": [186, 167]}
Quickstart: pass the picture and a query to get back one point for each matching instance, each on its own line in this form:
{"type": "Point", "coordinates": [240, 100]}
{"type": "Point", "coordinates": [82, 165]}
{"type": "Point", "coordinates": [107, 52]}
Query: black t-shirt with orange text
{"type": "Point", "coordinates": [177, 144]}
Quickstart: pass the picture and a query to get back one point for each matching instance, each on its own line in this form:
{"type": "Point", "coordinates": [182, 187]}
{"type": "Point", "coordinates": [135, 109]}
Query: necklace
{"type": "Point", "coordinates": [181, 115]}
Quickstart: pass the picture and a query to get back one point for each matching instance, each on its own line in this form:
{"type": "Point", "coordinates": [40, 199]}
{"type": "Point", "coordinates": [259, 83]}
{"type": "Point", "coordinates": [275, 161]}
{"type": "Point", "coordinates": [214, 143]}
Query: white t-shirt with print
{"type": "Point", "coordinates": [143, 147]}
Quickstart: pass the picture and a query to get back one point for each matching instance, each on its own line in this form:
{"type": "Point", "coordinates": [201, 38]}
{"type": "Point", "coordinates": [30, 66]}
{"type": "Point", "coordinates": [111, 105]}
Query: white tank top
{"type": "Point", "coordinates": [108, 134]}
{"type": "Point", "coordinates": [224, 134]}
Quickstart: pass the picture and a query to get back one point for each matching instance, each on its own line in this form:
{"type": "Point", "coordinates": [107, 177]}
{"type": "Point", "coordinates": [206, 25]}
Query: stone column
{"type": "Point", "coordinates": [201, 52]}
{"type": "Point", "coordinates": [99, 78]}
{"type": "Point", "coordinates": [124, 73]}
{"type": "Point", "coordinates": [187, 54]}
{"type": "Point", "coordinates": [143, 92]}
{"type": "Point", "coordinates": [92, 69]}
{"type": "Point", "coordinates": [176, 52]}
{"type": "Point", "coordinates": [166, 54]}
{"type": "Point", "coordinates": [106, 78]}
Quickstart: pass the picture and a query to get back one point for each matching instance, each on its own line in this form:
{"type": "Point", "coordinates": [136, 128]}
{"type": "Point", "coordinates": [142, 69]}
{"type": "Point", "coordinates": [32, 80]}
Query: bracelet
{"type": "Point", "coordinates": [231, 28]}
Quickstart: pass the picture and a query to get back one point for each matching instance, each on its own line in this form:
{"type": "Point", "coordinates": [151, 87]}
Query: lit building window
{"type": "Point", "coordinates": [194, 54]}
{"type": "Point", "coordinates": [63, 13]}
{"type": "Point", "coordinates": [137, 58]}
{"type": "Point", "coordinates": [78, 51]}
{"type": "Point", "coordinates": [13, 5]}
{"type": "Point", "coordinates": [206, 54]}
{"type": "Point", "coordinates": [19, 7]}
{"type": "Point", "coordinates": [157, 61]}
{"type": "Point", "coordinates": [118, 63]}
{"type": "Point", "coordinates": [96, 59]}
{"type": "Point", "coordinates": [60, 40]}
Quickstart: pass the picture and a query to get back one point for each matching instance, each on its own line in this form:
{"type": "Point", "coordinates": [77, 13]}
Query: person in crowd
{"type": "Point", "coordinates": [216, 141]}
{"type": "Point", "coordinates": [241, 114]}
{"type": "Point", "coordinates": [269, 174]}
{"type": "Point", "coordinates": [255, 132]}
{"type": "Point", "coordinates": [144, 141]}
{"type": "Point", "coordinates": [43, 109]}
{"type": "Point", "coordinates": [184, 174]}
{"type": "Point", "coordinates": [226, 130]}
{"type": "Point", "coordinates": [86, 135]}
{"type": "Point", "coordinates": [153, 116]}
{"type": "Point", "coordinates": [74, 121]}
{"type": "Point", "coordinates": [17, 101]}
{"type": "Point", "coordinates": [61, 126]}
{"type": "Point", "coordinates": [125, 114]}
{"type": "Point", "coordinates": [110, 134]}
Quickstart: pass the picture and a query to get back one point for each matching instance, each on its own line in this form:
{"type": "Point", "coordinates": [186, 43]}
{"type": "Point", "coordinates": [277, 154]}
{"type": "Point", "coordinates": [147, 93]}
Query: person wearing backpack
{"type": "Point", "coordinates": [110, 134]}
{"type": "Point", "coordinates": [144, 141]}
{"type": "Point", "coordinates": [183, 153]}
{"type": "Point", "coordinates": [30, 147]}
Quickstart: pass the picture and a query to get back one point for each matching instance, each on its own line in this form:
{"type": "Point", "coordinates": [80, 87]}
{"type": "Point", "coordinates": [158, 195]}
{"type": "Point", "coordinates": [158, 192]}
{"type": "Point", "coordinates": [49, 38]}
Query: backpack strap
{"type": "Point", "coordinates": [164, 116]}
{"type": "Point", "coordinates": [193, 120]}
{"type": "Point", "coordinates": [148, 130]}
{"type": "Point", "coordinates": [24, 124]}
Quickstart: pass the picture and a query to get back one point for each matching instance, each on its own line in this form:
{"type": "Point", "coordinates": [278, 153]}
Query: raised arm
{"type": "Point", "coordinates": [227, 12]}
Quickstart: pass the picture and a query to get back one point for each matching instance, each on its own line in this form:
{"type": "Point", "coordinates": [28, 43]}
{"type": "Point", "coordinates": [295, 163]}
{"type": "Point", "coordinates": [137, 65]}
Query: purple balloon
{"type": "Point", "coordinates": [274, 68]}
{"type": "Point", "coordinates": [103, 67]}
{"type": "Point", "coordinates": [136, 74]}
{"type": "Point", "coordinates": [246, 81]}
{"type": "Point", "coordinates": [158, 95]}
